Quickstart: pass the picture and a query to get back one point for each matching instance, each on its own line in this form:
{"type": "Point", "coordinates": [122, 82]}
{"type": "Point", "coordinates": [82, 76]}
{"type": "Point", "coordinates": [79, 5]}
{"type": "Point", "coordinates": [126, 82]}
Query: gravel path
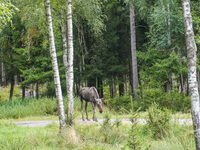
{"type": "Point", "coordinates": [47, 122]}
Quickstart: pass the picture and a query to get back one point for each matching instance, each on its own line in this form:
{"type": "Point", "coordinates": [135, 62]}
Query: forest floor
{"type": "Point", "coordinates": [43, 123]}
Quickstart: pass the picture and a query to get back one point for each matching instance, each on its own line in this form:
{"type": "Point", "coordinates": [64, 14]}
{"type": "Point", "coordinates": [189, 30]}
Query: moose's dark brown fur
{"type": "Point", "coordinates": [90, 94]}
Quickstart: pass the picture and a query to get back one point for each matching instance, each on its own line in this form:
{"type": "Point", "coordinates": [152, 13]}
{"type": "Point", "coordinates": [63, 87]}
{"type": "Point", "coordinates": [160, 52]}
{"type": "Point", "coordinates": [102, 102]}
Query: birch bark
{"type": "Point", "coordinates": [192, 76]}
{"type": "Point", "coordinates": [70, 61]}
{"type": "Point", "coordinates": [59, 96]}
{"type": "Point", "coordinates": [133, 51]}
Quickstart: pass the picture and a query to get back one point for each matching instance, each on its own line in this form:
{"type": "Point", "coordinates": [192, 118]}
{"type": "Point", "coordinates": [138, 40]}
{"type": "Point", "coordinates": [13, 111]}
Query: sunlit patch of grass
{"type": "Point", "coordinates": [180, 115]}
{"type": "Point", "coordinates": [33, 118]}
{"type": "Point", "coordinates": [5, 93]}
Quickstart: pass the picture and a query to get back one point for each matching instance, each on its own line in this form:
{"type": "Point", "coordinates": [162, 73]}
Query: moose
{"type": "Point", "coordinates": [90, 94]}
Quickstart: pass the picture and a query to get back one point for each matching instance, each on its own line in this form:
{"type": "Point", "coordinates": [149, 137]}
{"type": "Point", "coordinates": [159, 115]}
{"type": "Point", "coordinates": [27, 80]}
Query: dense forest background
{"type": "Point", "coordinates": [102, 50]}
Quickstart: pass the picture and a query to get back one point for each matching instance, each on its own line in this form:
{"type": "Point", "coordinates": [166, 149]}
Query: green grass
{"type": "Point", "coordinates": [46, 109]}
{"type": "Point", "coordinates": [81, 137]}
{"type": "Point", "coordinates": [91, 137]}
{"type": "Point", "coordinates": [5, 93]}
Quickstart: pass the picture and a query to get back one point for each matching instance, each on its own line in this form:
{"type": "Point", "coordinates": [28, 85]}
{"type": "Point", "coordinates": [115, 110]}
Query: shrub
{"type": "Point", "coordinates": [111, 131]}
{"type": "Point", "coordinates": [119, 103]}
{"type": "Point", "coordinates": [172, 100]}
{"type": "Point", "coordinates": [159, 121]}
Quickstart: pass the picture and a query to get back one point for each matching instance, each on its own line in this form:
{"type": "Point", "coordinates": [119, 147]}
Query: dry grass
{"type": "Point", "coordinates": [70, 136]}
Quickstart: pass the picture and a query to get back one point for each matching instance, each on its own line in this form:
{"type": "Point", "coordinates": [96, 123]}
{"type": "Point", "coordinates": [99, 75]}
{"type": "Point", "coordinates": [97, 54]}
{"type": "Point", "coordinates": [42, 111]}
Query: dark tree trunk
{"type": "Point", "coordinates": [12, 83]}
{"type": "Point", "coordinates": [37, 90]}
{"type": "Point", "coordinates": [121, 89]}
{"type": "Point", "coordinates": [168, 85]}
{"type": "Point", "coordinates": [181, 82]}
{"type": "Point", "coordinates": [112, 87]}
{"type": "Point", "coordinates": [23, 92]}
{"type": "Point", "coordinates": [23, 89]}
{"type": "Point", "coordinates": [77, 89]}
{"type": "Point", "coordinates": [100, 87]}
{"type": "Point", "coordinates": [12, 77]}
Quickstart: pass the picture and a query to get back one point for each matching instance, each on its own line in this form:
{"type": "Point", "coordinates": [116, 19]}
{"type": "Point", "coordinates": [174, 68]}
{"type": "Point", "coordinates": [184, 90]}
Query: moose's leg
{"type": "Point", "coordinates": [86, 104]}
{"type": "Point", "coordinates": [82, 109]}
{"type": "Point", "coordinates": [94, 112]}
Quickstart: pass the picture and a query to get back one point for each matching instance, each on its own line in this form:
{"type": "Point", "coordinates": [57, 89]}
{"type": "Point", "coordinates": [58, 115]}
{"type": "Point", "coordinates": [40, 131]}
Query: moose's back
{"type": "Point", "coordinates": [89, 93]}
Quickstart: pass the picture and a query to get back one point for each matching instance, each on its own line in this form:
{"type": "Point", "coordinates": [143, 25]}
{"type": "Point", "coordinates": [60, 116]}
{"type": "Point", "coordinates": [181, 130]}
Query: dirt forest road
{"type": "Point", "coordinates": [100, 121]}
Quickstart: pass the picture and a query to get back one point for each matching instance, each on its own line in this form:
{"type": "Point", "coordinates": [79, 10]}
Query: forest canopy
{"type": "Point", "coordinates": [102, 48]}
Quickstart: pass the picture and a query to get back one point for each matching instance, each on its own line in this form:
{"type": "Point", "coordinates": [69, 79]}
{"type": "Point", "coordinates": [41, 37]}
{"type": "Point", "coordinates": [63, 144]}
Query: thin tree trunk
{"type": "Point", "coordinates": [70, 61]}
{"type": "Point", "coordinates": [12, 83]}
{"type": "Point", "coordinates": [3, 76]}
{"type": "Point", "coordinates": [168, 85]}
{"type": "Point", "coordinates": [64, 39]}
{"type": "Point", "coordinates": [113, 90]}
{"type": "Point", "coordinates": [16, 79]}
{"type": "Point", "coordinates": [12, 79]}
{"type": "Point", "coordinates": [37, 90]}
{"type": "Point", "coordinates": [181, 82]}
{"type": "Point", "coordinates": [133, 51]}
{"type": "Point", "coordinates": [100, 87]}
{"type": "Point", "coordinates": [192, 76]}
{"type": "Point", "coordinates": [121, 89]}
{"type": "Point", "coordinates": [23, 89]}
{"type": "Point", "coordinates": [59, 96]}
{"type": "Point", "coordinates": [31, 92]}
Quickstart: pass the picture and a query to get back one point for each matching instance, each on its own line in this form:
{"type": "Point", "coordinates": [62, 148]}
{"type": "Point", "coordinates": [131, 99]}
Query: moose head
{"type": "Point", "coordinates": [99, 103]}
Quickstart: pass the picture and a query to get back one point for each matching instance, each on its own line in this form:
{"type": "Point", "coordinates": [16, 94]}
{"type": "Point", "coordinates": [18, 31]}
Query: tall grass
{"type": "Point", "coordinates": [90, 137]}
{"type": "Point", "coordinates": [18, 108]}
{"type": "Point", "coordinates": [22, 108]}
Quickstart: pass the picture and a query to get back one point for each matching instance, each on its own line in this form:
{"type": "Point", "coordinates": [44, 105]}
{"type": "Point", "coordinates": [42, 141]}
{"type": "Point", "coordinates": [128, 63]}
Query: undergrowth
{"type": "Point", "coordinates": [91, 137]}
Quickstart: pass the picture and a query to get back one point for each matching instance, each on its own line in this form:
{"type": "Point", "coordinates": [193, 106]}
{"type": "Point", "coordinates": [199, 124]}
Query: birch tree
{"type": "Point", "coordinates": [59, 96]}
{"type": "Point", "coordinates": [70, 61]}
{"type": "Point", "coordinates": [133, 50]}
{"type": "Point", "coordinates": [6, 12]}
{"type": "Point", "coordinates": [192, 76]}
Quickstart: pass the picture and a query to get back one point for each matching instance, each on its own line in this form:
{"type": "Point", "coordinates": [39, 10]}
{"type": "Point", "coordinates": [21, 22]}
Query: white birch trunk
{"type": "Point", "coordinates": [70, 61]}
{"type": "Point", "coordinates": [133, 51]}
{"type": "Point", "coordinates": [192, 76]}
{"type": "Point", "coordinates": [55, 66]}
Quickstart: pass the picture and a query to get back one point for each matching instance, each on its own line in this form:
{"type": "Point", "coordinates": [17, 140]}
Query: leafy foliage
{"type": "Point", "coordinates": [7, 9]}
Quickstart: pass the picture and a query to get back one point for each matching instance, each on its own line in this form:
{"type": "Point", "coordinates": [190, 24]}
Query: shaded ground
{"type": "Point", "coordinates": [47, 122]}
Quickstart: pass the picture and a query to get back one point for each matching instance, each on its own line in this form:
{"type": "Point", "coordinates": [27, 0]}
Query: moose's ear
{"type": "Point", "coordinates": [97, 100]}
{"type": "Point", "coordinates": [102, 99]}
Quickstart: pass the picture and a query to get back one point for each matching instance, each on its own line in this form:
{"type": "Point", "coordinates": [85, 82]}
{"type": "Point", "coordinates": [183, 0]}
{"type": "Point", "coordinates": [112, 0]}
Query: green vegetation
{"type": "Point", "coordinates": [18, 108]}
{"type": "Point", "coordinates": [90, 137]}
{"type": "Point", "coordinates": [102, 58]}
{"type": "Point", "coordinates": [159, 121]}
{"type": "Point", "coordinates": [109, 135]}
